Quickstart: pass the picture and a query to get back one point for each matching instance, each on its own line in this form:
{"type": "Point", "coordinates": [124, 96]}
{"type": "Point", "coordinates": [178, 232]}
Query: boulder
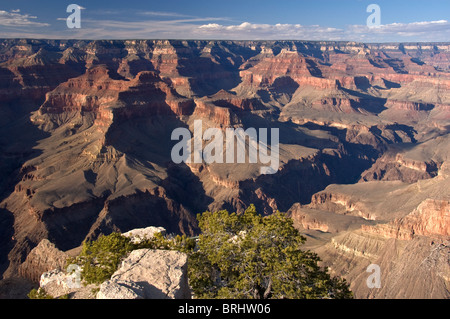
{"type": "Point", "coordinates": [113, 289]}
{"type": "Point", "coordinates": [55, 282]}
{"type": "Point", "coordinates": [161, 273]}
{"type": "Point", "coordinates": [59, 283]}
{"type": "Point", "coordinates": [139, 234]}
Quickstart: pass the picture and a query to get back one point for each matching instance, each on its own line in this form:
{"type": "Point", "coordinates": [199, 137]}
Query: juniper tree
{"type": "Point", "coordinates": [251, 256]}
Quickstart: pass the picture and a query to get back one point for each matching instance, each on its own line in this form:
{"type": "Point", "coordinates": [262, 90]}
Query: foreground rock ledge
{"type": "Point", "coordinates": [149, 274]}
{"type": "Point", "coordinates": [144, 274]}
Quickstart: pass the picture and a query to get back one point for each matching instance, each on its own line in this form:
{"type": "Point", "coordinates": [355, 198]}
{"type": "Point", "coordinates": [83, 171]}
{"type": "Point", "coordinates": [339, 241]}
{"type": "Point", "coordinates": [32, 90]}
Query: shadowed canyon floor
{"type": "Point", "coordinates": [85, 147]}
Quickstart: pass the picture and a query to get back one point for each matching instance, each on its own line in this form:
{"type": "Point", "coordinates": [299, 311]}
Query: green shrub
{"type": "Point", "coordinates": [236, 256]}
{"type": "Point", "coordinates": [39, 294]}
{"type": "Point", "coordinates": [99, 259]}
{"type": "Point", "coordinates": [158, 241]}
{"type": "Point", "coordinates": [249, 256]}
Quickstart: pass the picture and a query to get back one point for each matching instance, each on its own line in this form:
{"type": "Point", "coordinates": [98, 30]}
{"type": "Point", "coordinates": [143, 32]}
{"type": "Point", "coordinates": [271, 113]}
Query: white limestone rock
{"type": "Point", "coordinates": [113, 289]}
{"type": "Point", "coordinates": [54, 277]}
{"type": "Point", "coordinates": [161, 273]}
{"type": "Point", "coordinates": [139, 234]}
{"type": "Point", "coordinates": [59, 283]}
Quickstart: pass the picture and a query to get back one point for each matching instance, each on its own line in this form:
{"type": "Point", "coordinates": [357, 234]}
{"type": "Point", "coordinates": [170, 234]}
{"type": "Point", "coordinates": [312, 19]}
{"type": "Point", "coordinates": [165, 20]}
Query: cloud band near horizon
{"type": "Point", "coordinates": [168, 25]}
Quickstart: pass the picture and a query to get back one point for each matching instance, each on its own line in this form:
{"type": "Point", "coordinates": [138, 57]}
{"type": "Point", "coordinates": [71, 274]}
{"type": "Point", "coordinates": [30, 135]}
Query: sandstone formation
{"type": "Point", "coordinates": [44, 257]}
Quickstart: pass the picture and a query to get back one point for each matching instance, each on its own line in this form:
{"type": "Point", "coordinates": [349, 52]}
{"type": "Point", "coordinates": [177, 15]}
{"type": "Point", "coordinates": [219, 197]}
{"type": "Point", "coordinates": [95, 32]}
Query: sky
{"type": "Point", "coordinates": [332, 20]}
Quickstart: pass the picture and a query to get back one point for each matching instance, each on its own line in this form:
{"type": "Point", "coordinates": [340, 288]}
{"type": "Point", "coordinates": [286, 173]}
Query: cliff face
{"type": "Point", "coordinates": [412, 269]}
{"type": "Point", "coordinates": [92, 124]}
{"type": "Point", "coordinates": [44, 257]}
{"type": "Point", "coordinates": [431, 219]}
{"type": "Point", "coordinates": [389, 167]}
{"type": "Point", "coordinates": [403, 227]}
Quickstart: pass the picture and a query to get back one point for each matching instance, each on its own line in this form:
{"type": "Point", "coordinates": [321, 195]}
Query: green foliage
{"type": "Point", "coordinates": [251, 256]}
{"type": "Point", "coordinates": [236, 256]}
{"type": "Point", "coordinates": [99, 259]}
{"type": "Point", "coordinates": [39, 294]}
{"type": "Point", "coordinates": [94, 291]}
{"type": "Point", "coordinates": [159, 241]}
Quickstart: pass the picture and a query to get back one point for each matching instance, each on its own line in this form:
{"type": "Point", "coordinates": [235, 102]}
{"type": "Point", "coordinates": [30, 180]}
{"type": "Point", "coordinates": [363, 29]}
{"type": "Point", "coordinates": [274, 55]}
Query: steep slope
{"type": "Point", "coordinates": [400, 223]}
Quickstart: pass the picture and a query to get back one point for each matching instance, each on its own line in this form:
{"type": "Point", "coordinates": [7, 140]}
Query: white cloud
{"type": "Point", "coordinates": [173, 25]}
{"type": "Point", "coordinates": [180, 28]}
{"type": "Point", "coordinates": [163, 14]}
{"type": "Point", "coordinates": [415, 27]}
{"type": "Point", "coordinates": [280, 31]}
{"type": "Point", "coordinates": [415, 31]}
{"type": "Point", "coordinates": [15, 19]}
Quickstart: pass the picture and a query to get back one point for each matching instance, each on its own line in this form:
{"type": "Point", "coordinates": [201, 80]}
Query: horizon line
{"type": "Point", "coordinates": [224, 40]}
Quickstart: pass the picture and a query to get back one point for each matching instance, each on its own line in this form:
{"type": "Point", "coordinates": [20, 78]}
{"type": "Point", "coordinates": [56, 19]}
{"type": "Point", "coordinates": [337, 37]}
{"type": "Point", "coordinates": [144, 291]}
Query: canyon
{"type": "Point", "coordinates": [364, 148]}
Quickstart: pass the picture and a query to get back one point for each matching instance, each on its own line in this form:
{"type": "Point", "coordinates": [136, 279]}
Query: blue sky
{"type": "Point", "coordinates": [401, 20]}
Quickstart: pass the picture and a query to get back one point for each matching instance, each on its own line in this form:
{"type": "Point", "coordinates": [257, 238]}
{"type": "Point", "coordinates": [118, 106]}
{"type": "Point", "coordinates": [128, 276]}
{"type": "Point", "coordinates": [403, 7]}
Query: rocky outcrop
{"type": "Point", "coordinates": [221, 116]}
{"type": "Point", "coordinates": [398, 168]}
{"type": "Point", "coordinates": [430, 219]}
{"type": "Point", "coordinates": [290, 64]}
{"type": "Point", "coordinates": [85, 93]}
{"type": "Point", "coordinates": [408, 106]}
{"type": "Point", "coordinates": [113, 289]}
{"type": "Point", "coordinates": [143, 274]}
{"type": "Point", "coordinates": [140, 234]}
{"type": "Point", "coordinates": [157, 274]}
{"type": "Point", "coordinates": [60, 283]}
{"type": "Point", "coordinates": [270, 67]}
{"type": "Point", "coordinates": [306, 218]}
{"type": "Point", "coordinates": [340, 203]}
{"type": "Point", "coordinates": [414, 269]}
{"type": "Point", "coordinates": [96, 91]}
{"type": "Point", "coordinates": [44, 257]}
